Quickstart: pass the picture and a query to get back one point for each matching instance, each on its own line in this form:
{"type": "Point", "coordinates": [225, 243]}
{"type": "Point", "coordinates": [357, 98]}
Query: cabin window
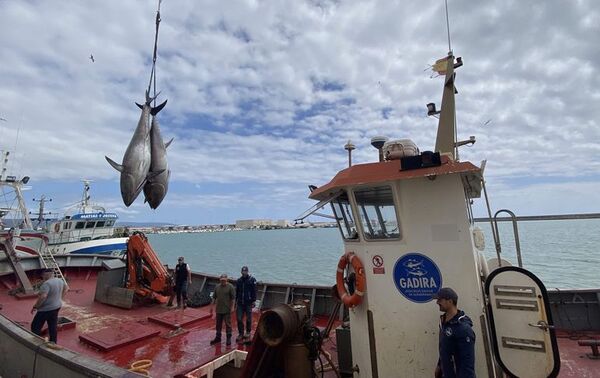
{"type": "Point", "coordinates": [66, 225]}
{"type": "Point", "coordinates": [100, 224]}
{"type": "Point", "coordinates": [109, 223]}
{"type": "Point", "coordinates": [377, 212]}
{"type": "Point", "coordinates": [79, 225]}
{"type": "Point", "coordinates": [343, 214]}
{"type": "Point", "coordinates": [90, 224]}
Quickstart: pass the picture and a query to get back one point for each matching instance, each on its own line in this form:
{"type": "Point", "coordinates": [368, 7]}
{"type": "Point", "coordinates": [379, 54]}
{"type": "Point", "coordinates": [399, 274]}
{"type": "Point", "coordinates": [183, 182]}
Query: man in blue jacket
{"type": "Point", "coordinates": [246, 297]}
{"type": "Point", "coordinates": [457, 339]}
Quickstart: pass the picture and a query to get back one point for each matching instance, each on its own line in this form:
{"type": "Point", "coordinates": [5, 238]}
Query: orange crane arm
{"type": "Point", "coordinates": [146, 274]}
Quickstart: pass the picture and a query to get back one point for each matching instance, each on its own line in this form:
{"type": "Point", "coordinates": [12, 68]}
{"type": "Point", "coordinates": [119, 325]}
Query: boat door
{"type": "Point", "coordinates": [521, 324]}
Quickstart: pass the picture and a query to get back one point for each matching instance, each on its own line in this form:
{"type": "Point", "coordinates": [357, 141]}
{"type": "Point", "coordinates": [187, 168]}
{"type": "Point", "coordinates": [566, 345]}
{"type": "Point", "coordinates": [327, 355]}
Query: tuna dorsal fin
{"type": "Point", "coordinates": [140, 106]}
{"type": "Point", "coordinates": [155, 110]}
{"type": "Point", "coordinates": [169, 143]}
{"type": "Point", "coordinates": [114, 164]}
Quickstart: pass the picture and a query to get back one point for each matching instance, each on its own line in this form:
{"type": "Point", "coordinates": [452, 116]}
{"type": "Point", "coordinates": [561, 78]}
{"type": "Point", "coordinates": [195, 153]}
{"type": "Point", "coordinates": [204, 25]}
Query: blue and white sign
{"type": "Point", "coordinates": [417, 277]}
{"type": "Point", "coordinates": [95, 216]}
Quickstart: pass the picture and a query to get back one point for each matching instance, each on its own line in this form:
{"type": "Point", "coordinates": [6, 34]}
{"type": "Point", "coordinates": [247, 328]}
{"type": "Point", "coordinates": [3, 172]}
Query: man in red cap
{"type": "Point", "coordinates": [457, 339]}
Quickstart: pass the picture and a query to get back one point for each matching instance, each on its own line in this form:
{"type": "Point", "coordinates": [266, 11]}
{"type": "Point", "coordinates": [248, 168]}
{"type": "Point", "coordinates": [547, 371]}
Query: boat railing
{"type": "Point", "coordinates": [513, 218]}
{"type": "Point", "coordinates": [75, 235]}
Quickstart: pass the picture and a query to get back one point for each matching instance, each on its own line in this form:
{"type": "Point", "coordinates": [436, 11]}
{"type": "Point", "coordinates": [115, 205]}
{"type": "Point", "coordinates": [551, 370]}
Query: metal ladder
{"type": "Point", "coordinates": [49, 262]}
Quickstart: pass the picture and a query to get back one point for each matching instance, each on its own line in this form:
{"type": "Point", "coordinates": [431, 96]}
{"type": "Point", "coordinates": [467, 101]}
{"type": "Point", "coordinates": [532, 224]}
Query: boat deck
{"type": "Point", "coordinates": [110, 329]}
{"type": "Point", "coordinates": [176, 352]}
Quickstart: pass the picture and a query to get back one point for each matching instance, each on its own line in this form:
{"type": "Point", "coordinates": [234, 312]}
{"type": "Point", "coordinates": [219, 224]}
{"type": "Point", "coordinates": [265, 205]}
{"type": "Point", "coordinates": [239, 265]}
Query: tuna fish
{"type": "Point", "coordinates": [156, 187]}
{"type": "Point", "coordinates": [135, 169]}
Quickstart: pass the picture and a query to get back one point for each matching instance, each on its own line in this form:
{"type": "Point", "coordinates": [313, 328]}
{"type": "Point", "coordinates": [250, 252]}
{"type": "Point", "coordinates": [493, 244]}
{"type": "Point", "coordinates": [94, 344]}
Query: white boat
{"type": "Point", "coordinates": [86, 228]}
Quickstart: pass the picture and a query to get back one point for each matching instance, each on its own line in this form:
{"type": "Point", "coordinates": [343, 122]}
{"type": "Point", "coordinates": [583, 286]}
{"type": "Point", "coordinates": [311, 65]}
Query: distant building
{"type": "Point", "coordinates": [252, 223]}
{"type": "Point", "coordinates": [282, 223]}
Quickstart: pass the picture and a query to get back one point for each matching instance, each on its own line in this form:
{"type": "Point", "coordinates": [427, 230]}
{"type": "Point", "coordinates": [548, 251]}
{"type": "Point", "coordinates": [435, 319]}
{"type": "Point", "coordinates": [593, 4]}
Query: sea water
{"type": "Point", "coordinates": [562, 253]}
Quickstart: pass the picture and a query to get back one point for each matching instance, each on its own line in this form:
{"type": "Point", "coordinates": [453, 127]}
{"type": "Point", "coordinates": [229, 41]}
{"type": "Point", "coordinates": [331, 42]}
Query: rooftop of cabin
{"type": "Point", "coordinates": [392, 170]}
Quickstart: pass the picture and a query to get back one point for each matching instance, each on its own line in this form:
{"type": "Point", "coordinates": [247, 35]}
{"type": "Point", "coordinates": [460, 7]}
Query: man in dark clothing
{"type": "Point", "coordinates": [183, 277]}
{"type": "Point", "coordinates": [246, 297]}
{"type": "Point", "coordinates": [49, 302]}
{"type": "Point", "coordinates": [457, 339]}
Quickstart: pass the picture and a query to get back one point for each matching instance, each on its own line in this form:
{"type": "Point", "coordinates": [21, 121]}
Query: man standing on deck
{"type": "Point", "coordinates": [183, 278]}
{"type": "Point", "coordinates": [246, 297]}
{"type": "Point", "coordinates": [223, 297]}
{"type": "Point", "coordinates": [457, 339]}
{"type": "Point", "coordinates": [48, 303]}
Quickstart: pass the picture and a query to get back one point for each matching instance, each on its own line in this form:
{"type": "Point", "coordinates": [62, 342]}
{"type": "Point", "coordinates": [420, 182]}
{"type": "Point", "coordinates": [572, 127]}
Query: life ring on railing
{"type": "Point", "coordinates": [361, 281]}
{"type": "Point", "coordinates": [57, 227]}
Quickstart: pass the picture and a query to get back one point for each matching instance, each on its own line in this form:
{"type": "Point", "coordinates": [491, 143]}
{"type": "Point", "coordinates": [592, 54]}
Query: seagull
{"type": "Point", "coordinates": [3, 119]}
{"type": "Point", "coordinates": [92, 58]}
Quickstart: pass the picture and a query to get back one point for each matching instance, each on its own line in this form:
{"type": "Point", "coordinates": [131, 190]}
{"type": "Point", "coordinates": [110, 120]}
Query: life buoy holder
{"type": "Point", "coordinates": [57, 227]}
{"type": "Point", "coordinates": [361, 280]}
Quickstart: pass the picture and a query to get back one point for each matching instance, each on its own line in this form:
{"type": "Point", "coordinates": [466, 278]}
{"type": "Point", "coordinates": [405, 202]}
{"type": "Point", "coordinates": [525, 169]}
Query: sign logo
{"type": "Point", "coordinates": [417, 277]}
{"type": "Point", "coordinates": [378, 267]}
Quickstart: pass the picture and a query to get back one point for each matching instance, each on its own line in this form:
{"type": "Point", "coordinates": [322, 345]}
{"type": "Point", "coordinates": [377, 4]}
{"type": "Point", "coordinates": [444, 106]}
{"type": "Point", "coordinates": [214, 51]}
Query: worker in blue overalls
{"type": "Point", "coordinates": [457, 339]}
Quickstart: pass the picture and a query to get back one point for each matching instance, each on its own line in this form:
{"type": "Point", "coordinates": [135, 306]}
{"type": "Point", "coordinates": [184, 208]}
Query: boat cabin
{"type": "Point", "coordinates": [408, 230]}
{"type": "Point", "coordinates": [82, 227]}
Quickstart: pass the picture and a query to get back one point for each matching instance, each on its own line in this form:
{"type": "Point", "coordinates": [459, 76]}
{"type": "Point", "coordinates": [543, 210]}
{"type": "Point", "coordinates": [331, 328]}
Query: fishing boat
{"type": "Point", "coordinates": [85, 228]}
{"type": "Point", "coordinates": [408, 229]}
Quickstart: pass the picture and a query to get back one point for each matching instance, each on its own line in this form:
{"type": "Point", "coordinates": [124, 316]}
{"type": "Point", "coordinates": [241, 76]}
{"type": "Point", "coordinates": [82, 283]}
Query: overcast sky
{"type": "Point", "coordinates": [263, 95]}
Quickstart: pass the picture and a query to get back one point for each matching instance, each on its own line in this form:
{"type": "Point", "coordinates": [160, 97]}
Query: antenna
{"type": "Point", "coordinates": [448, 29]}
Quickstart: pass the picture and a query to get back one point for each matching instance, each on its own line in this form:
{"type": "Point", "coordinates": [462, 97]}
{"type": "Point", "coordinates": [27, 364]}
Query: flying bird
{"type": "Point", "coordinates": [92, 58]}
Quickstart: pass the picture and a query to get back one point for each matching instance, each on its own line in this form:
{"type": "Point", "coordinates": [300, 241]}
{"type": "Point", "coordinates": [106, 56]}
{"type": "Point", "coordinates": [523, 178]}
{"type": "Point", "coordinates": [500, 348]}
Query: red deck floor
{"type": "Point", "coordinates": [180, 353]}
{"type": "Point", "coordinates": [171, 355]}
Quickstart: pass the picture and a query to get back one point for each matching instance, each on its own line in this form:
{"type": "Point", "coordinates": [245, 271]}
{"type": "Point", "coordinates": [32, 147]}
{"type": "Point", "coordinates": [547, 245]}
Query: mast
{"type": "Point", "coordinates": [17, 186]}
{"type": "Point", "coordinates": [85, 197]}
{"type": "Point", "coordinates": [445, 142]}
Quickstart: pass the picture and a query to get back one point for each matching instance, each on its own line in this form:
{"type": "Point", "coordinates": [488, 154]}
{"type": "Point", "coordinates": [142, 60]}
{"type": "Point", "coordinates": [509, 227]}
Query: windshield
{"type": "Point", "coordinates": [377, 212]}
{"type": "Point", "coordinates": [343, 215]}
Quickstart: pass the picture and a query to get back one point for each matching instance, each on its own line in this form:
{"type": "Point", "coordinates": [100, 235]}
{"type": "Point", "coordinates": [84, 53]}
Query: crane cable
{"type": "Point", "coordinates": [154, 54]}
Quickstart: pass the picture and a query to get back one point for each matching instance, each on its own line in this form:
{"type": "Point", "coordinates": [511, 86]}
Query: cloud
{"type": "Point", "coordinates": [268, 93]}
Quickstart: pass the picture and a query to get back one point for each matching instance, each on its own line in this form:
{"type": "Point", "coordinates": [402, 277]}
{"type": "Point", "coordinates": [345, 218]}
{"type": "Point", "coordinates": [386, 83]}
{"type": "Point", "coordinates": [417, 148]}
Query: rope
{"type": "Point", "coordinates": [141, 366]}
{"type": "Point", "coordinates": [154, 54]}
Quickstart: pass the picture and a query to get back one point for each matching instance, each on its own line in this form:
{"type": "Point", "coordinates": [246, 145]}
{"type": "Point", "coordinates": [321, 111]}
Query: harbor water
{"type": "Point", "coordinates": [563, 253]}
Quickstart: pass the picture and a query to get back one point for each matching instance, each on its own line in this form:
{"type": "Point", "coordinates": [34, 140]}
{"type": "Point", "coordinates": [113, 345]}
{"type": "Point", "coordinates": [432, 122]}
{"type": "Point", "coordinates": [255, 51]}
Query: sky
{"type": "Point", "coordinates": [263, 95]}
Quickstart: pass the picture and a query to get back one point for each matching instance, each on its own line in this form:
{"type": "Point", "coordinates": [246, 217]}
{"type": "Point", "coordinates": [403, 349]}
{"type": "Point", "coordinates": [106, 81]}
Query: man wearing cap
{"type": "Point", "coordinates": [183, 278]}
{"type": "Point", "coordinates": [246, 297]}
{"type": "Point", "coordinates": [48, 304]}
{"type": "Point", "coordinates": [223, 297]}
{"type": "Point", "coordinates": [457, 339]}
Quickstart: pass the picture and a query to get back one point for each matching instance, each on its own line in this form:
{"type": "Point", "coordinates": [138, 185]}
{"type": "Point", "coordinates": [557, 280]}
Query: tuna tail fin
{"type": "Point", "coordinates": [150, 99]}
{"type": "Point", "coordinates": [169, 143]}
{"type": "Point", "coordinates": [114, 164]}
{"type": "Point", "coordinates": [154, 111]}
